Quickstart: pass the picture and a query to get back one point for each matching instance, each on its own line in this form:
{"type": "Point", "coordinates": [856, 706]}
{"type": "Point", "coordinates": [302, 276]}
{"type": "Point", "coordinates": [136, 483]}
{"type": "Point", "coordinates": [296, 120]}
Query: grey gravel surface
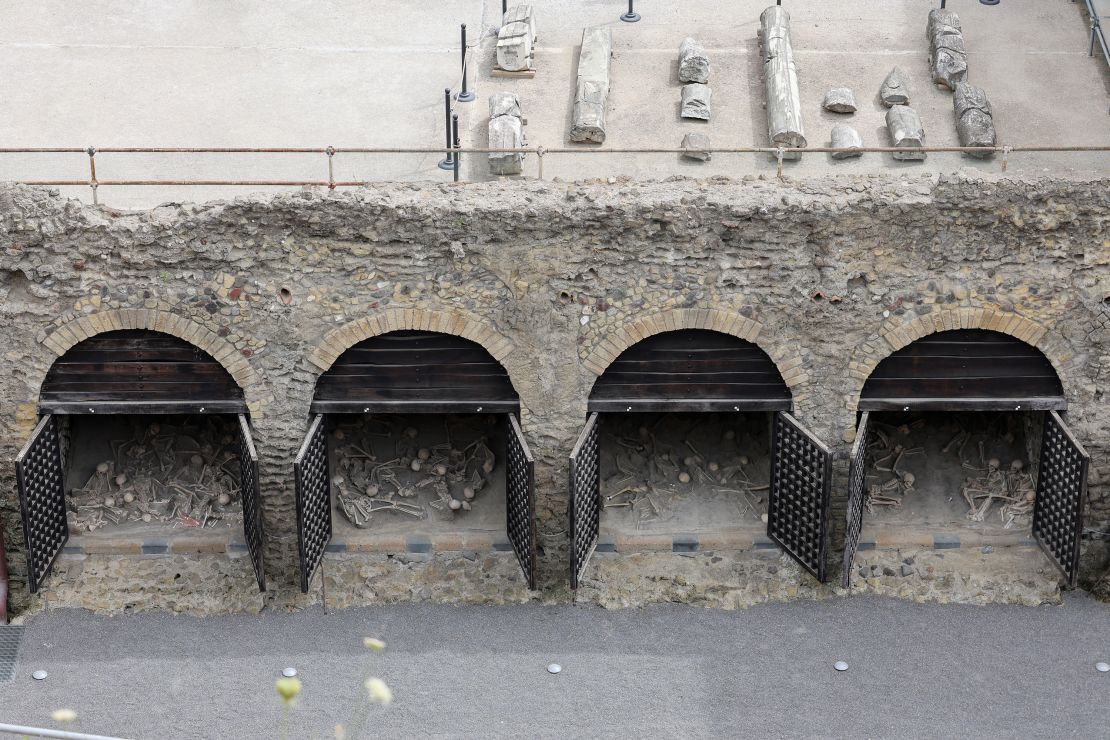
{"type": "Point", "coordinates": [669, 671]}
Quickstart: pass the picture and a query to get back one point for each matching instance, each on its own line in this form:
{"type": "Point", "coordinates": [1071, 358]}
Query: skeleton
{"type": "Point", "coordinates": [163, 474]}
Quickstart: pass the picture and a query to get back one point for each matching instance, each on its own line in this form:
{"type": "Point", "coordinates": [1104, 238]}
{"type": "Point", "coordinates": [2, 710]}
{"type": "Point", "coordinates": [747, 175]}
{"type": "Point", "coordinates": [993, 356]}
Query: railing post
{"type": "Point", "coordinates": [465, 96]}
{"type": "Point", "coordinates": [92, 173]}
{"type": "Point", "coordinates": [631, 16]}
{"type": "Point", "coordinates": [447, 162]}
{"type": "Point", "coordinates": [458, 143]}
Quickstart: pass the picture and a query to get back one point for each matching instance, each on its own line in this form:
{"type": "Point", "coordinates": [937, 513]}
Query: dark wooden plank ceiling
{"type": "Point", "coordinates": [141, 372]}
{"type": "Point", "coordinates": [964, 369]}
{"type": "Point", "coordinates": [691, 370]}
{"type": "Point", "coordinates": [415, 372]}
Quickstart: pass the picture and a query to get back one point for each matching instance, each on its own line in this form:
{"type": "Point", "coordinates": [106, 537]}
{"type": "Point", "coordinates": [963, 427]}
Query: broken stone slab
{"type": "Point", "coordinates": [693, 62]}
{"type": "Point", "coordinates": [947, 54]}
{"type": "Point", "coordinates": [592, 87]}
{"type": "Point", "coordinates": [840, 100]}
{"type": "Point", "coordinates": [506, 131]}
{"type": "Point", "coordinates": [515, 46]}
{"type": "Point", "coordinates": [895, 90]}
{"type": "Point", "coordinates": [974, 119]}
{"type": "Point", "coordinates": [696, 101]}
{"type": "Point", "coordinates": [695, 146]}
{"type": "Point", "coordinates": [906, 130]}
{"type": "Point", "coordinates": [848, 139]}
{"type": "Point", "coordinates": [784, 101]}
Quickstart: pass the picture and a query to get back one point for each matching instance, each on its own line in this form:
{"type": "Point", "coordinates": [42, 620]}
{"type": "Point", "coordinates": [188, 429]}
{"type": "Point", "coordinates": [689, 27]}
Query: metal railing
{"type": "Point", "coordinates": [778, 153]}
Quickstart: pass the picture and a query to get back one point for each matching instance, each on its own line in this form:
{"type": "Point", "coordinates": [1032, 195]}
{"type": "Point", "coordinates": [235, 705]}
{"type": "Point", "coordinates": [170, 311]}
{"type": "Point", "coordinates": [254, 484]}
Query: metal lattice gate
{"type": "Point", "coordinates": [521, 508]}
{"type": "Point", "coordinates": [857, 489]}
{"type": "Point", "coordinates": [1061, 488]}
{"type": "Point", "coordinates": [42, 494]}
{"type": "Point", "coordinates": [585, 504]}
{"type": "Point", "coordinates": [313, 489]}
{"type": "Point", "coordinates": [252, 500]}
{"type": "Point", "coordinates": [798, 505]}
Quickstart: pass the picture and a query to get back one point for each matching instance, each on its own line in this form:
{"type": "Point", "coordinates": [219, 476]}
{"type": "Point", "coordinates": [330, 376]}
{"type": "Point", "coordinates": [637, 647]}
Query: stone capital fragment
{"type": "Point", "coordinates": [693, 63]}
{"type": "Point", "coordinates": [839, 100]}
{"type": "Point", "coordinates": [895, 90]}
{"type": "Point", "coordinates": [947, 55]}
{"type": "Point", "coordinates": [515, 42]}
{"type": "Point", "coordinates": [974, 119]}
{"type": "Point", "coordinates": [696, 101]}
{"type": "Point", "coordinates": [695, 146]}
{"type": "Point", "coordinates": [848, 139]}
{"type": "Point", "coordinates": [906, 130]}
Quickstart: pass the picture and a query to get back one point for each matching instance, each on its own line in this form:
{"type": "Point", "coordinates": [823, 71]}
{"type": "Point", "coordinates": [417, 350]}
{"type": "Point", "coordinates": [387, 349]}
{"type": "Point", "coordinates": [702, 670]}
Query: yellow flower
{"type": "Point", "coordinates": [378, 691]}
{"type": "Point", "coordinates": [288, 688]}
{"type": "Point", "coordinates": [63, 715]}
{"type": "Point", "coordinates": [373, 643]}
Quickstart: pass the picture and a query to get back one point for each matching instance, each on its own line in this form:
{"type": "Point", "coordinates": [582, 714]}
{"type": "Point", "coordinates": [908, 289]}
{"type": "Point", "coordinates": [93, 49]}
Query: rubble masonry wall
{"type": "Point", "coordinates": [555, 279]}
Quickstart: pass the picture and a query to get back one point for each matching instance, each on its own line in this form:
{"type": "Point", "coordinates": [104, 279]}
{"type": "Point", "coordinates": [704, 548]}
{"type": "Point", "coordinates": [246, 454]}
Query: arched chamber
{"type": "Point", "coordinates": [143, 445]}
{"type": "Point", "coordinates": [690, 445]}
{"type": "Point", "coordinates": [961, 443]}
{"type": "Point", "coordinates": [415, 445]}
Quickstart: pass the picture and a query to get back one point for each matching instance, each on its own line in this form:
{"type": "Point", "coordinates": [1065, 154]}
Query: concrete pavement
{"type": "Point", "coordinates": [670, 671]}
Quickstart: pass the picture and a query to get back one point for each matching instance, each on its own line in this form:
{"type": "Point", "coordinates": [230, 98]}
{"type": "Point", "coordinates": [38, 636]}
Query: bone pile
{"type": "Point", "coordinates": [409, 478]}
{"type": "Point", "coordinates": [888, 451]}
{"type": "Point", "coordinates": [656, 467]}
{"type": "Point", "coordinates": [1011, 487]}
{"type": "Point", "coordinates": [185, 475]}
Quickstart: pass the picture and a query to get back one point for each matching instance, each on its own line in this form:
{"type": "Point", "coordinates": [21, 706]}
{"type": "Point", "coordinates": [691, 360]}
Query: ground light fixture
{"type": "Point", "coordinates": [840, 665]}
{"type": "Point", "coordinates": [40, 675]}
{"type": "Point", "coordinates": [289, 672]}
{"type": "Point", "coordinates": [1102, 667]}
{"type": "Point", "coordinates": [556, 668]}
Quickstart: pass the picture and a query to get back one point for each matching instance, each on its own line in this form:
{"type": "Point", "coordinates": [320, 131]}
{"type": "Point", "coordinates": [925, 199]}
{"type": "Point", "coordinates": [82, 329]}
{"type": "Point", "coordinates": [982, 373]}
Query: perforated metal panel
{"type": "Point", "coordinates": [252, 500]}
{"type": "Point", "coordinates": [857, 487]}
{"type": "Point", "coordinates": [42, 503]}
{"type": "Point", "coordinates": [313, 488]}
{"type": "Point", "coordinates": [798, 506]}
{"type": "Point", "coordinates": [10, 638]}
{"type": "Point", "coordinates": [521, 504]}
{"type": "Point", "coordinates": [1061, 488]}
{"type": "Point", "coordinates": [585, 499]}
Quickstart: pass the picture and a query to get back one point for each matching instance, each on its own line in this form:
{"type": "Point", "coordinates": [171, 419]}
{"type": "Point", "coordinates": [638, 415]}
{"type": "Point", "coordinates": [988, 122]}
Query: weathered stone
{"type": "Point", "coordinates": [693, 63]}
{"type": "Point", "coordinates": [516, 39]}
{"type": "Point", "coordinates": [906, 130]}
{"type": "Point", "coordinates": [696, 101]}
{"type": "Point", "coordinates": [784, 101]}
{"type": "Point", "coordinates": [592, 87]}
{"type": "Point", "coordinates": [695, 146]}
{"type": "Point", "coordinates": [974, 119]}
{"type": "Point", "coordinates": [847, 138]}
{"type": "Point", "coordinates": [895, 90]}
{"type": "Point", "coordinates": [947, 55]}
{"type": "Point", "coordinates": [506, 131]}
{"type": "Point", "coordinates": [840, 100]}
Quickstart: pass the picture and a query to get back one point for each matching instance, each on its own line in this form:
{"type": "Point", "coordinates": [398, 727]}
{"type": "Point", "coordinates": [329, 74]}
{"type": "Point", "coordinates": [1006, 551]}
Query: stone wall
{"type": "Point", "coordinates": [555, 279]}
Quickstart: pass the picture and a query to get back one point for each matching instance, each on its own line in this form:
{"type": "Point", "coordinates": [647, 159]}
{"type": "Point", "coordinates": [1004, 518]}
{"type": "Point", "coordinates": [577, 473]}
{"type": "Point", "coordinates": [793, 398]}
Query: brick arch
{"type": "Point", "coordinates": [897, 332]}
{"type": "Point", "coordinates": [448, 321]}
{"type": "Point", "coordinates": [787, 358]}
{"type": "Point", "coordinates": [69, 333]}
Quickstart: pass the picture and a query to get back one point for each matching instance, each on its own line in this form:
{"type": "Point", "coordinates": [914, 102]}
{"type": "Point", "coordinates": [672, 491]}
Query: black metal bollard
{"type": "Point", "coordinates": [631, 16]}
{"type": "Point", "coordinates": [458, 143]}
{"type": "Point", "coordinates": [465, 96]}
{"type": "Point", "coordinates": [449, 161]}
{"type": "Point", "coordinates": [504, 8]}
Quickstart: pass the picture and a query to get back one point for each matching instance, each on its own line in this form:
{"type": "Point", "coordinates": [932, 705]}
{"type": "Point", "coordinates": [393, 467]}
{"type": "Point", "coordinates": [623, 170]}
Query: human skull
{"type": "Point", "coordinates": [683, 477]}
{"type": "Point", "coordinates": [411, 432]}
{"type": "Point", "coordinates": [128, 498]}
{"type": "Point", "coordinates": [423, 453]}
{"type": "Point", "coordinates": [415, 465]}
{"type": "Point", "coordinates": [440, 470]}
{"type": "Point", "coordinates": [454, 504]}
{"type": "Point", "coordinates": [121, 479]}
{"type": "Point", "coordinates": [196, 461]}
{"type": "Point", "coordinates": [993, 464]}
{"type": "Point", "coordinates": [224, 499]}
{"type": "Point", "coordinates": [908, 479]}
{"type": "Point", "coordinates": [1017, 466]}
{"type": "Point", "coordinates": [713, 466]}
{"type": "Point", "coordinates": [102, 468]}
{"type": "Point", "coordinates": [744, 460]}
{"type": "Point", "coordinates": [468, 493]}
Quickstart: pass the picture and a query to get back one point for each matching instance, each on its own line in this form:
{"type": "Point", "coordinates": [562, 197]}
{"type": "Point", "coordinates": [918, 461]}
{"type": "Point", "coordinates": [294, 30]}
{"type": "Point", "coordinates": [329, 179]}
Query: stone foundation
{"type": "Point", "coordinates": [555, 279]}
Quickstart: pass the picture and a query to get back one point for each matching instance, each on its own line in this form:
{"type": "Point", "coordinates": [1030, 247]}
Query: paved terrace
{"type": "Point", "coordinates": [286, 73]}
